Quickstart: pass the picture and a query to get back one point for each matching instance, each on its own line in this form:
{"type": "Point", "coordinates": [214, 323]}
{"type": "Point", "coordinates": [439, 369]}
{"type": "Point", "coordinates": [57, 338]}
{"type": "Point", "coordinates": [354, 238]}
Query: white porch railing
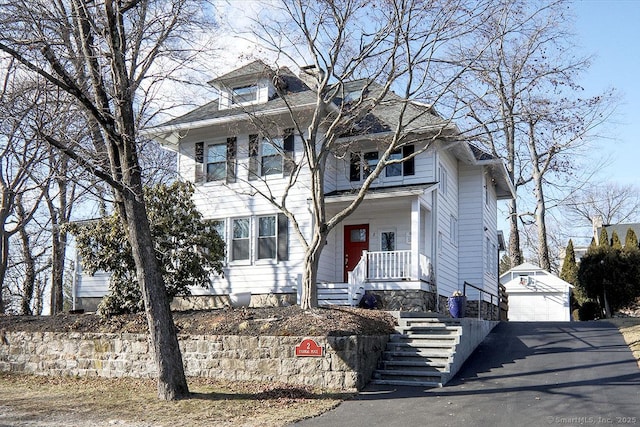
{"type": "Point", "coordinates": [391, 265]}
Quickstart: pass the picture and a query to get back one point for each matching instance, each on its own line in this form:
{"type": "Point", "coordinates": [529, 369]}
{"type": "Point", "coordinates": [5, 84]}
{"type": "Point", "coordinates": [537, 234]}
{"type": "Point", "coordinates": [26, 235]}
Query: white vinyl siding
{"type": "Point", "coordinates": [447, 193]}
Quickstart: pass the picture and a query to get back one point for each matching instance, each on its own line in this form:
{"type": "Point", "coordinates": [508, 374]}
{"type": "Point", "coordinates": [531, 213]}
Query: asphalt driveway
{"type": "Point", "coordinates": [523, 374]}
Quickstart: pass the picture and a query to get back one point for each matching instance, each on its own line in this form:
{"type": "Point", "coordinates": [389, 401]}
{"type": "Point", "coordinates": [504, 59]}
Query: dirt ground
{"type": "Point", "coordinates": [278, 321]}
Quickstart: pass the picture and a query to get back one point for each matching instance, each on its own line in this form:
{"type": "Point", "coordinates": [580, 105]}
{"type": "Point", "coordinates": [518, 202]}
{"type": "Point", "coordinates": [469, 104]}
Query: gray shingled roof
{"type": "Point", "coordinates": [382, 118]}
{"type": "Point", "coordinates": [296, 91]}
{"type": "Point", "coordinates": [255, 68]}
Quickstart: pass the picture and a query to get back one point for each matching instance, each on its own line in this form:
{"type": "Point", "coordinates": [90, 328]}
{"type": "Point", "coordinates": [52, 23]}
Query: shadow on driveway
{"type": "Point", "coordinates": [523, 373]}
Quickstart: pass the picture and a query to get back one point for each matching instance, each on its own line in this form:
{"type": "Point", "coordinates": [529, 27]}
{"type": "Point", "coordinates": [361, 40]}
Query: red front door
{"type": "Point", "coordinates": [356, 240]}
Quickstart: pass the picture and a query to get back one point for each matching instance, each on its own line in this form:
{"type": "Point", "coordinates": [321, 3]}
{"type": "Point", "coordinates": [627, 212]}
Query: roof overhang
{"type": "Point", "coordinates": [381, 193]}
{"type": "Point", "coordinates": [169, 136]}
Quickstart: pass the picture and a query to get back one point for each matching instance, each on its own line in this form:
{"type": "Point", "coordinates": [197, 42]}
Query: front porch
{"type": "Point", "coordinates": [400, 279]}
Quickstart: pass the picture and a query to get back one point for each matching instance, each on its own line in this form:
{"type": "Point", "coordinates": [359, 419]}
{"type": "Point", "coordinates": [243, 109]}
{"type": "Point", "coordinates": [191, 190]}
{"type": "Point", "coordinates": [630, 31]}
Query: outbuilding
{"type": "Point", "coordinates": [535, 295]}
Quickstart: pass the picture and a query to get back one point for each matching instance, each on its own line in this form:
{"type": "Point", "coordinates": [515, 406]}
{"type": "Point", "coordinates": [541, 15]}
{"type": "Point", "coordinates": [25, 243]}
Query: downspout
{"type": "Point", "coordinates": [434, 231]}
{"type": "Point", "coordinates": [74, 282]}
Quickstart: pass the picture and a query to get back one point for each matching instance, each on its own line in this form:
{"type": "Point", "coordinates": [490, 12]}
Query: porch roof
{"type": "Point", "coordinates": [380, 192]}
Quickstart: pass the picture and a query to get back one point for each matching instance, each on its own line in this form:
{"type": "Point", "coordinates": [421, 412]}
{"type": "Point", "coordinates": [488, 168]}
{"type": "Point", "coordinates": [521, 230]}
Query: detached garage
{"type": "Point", "coordinates": [535, 295]}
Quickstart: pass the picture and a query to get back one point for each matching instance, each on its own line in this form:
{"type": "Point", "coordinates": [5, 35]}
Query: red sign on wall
{"type": "Point", "coordinates": [309, 348]}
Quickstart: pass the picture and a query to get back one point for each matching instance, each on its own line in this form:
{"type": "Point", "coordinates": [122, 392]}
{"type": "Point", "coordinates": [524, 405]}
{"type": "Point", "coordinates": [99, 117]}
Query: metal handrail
{"type": "Point", "coordinates": [482, 291]}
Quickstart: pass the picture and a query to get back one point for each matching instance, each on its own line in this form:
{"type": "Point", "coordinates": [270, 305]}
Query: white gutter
{"type": "Point", "coordinates": [153, 131]}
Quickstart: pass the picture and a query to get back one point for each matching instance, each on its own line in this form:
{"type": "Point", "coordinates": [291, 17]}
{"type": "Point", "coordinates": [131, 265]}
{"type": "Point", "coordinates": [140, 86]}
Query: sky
{"type": "Point", "coordinates": [610, 31]}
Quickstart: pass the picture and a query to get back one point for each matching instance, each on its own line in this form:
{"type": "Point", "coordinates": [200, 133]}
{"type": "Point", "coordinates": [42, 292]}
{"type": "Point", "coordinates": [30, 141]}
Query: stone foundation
{"type": "Point", "coordinates": [347, 363]}
{"type": "Point", "coordinates": [488, 311]}
{"type": "Point", "coordinates": [206, 302]}
{"type": "Point", "coordinates": [406, 300]}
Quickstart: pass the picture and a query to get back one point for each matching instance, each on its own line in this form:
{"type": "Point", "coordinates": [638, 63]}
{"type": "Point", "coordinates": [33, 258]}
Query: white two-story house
{"type": "Point", "coordinates": [427, 226]}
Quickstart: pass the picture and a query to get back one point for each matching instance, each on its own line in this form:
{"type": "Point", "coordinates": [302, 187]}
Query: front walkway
{"type": "Point", "coordinates": [525, 374]}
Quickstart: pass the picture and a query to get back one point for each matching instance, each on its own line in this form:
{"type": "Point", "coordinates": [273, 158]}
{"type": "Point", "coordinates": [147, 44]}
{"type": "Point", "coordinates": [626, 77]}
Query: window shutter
{"type": "Point", "coordinates": [409, 165]}
{"type": "Point", "coordinates": [231, 159]}
{"type": "Point", "coordinates": [253, 157]}
{"type": "Point", "coordinates": [354, 167]}
{"type": "Point", "coordinates": [283, 237]}
{"type": "Point", "coordinates": [199, 156]}
{"type": "Point", "coordinates": [288, 147]}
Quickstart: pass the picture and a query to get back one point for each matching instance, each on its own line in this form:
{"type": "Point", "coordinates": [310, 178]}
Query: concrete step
{"type": "Point", "coordinates": [421, 353]}
{"type": "Point", "coordinates": [421, 344]}
{"type": "Point", "coordinates": [434, 354]}
{"type": "Point", "coordinates": [429, 384]}
{"type": "Point", "coordinates": [428, 366]}
{"type": "Point", "coordinates": [424, 337]}
{"type": "Point", "coordinates": [409, 375]}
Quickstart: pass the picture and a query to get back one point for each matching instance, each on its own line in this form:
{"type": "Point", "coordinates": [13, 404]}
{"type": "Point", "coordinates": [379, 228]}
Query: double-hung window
{"type": "Point", "coordinates": [267, 237]}
{"type": "Point", "coordinates": [405, 168]}
{"type": "Point", "coordinates": [217, 162]}
{"type": "Point", "coordinates": [362, 164]}
{"type": "Point", "coordinates": [394, 169]}
{"type": "Point", "coordinates": [271, 156]}
{"type": "Point", "coordinates": [240, 241]}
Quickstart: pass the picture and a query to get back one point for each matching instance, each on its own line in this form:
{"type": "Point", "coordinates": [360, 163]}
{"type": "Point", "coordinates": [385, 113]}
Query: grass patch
{"type": "Point", "coordinates": [630, 329]}
{"type": "Point", "coordinates": [65, 401]}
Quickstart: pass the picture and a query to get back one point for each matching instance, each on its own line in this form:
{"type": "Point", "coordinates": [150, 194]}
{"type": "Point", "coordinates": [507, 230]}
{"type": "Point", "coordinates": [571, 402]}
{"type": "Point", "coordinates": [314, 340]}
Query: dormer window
{"type": "Point", "coordinates": [244, 94]}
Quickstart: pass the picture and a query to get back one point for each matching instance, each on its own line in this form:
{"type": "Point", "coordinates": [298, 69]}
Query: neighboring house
{"type": "Point", "coordinates": [620, 229]}
{"type": "Point", "coordinates": [536, 295]}
{"type": "Point", "coordinates": [427, 225]}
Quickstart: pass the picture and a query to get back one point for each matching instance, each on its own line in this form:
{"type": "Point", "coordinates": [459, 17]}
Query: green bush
{"type": "Point", "coordinates": [589, 310]}
{"type": "Point", "coordinates": [187, 248]}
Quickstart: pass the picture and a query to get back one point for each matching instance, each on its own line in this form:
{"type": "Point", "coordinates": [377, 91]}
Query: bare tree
{"type": "Point", "coordinates": [398, 50]}
{"type": "Point", "coordinates": [613, 202]}
{"type": "Point", "coordinates": [521, 105]}
{"type": "Point", "coordinates": [20, 152]}
{"type": "Point", "coordinates": [104, 54]}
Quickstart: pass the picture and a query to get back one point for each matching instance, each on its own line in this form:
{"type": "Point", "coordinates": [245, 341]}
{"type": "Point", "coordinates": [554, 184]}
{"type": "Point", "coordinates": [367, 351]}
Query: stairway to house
{"type": "Point", "coordinates": [420, 353]}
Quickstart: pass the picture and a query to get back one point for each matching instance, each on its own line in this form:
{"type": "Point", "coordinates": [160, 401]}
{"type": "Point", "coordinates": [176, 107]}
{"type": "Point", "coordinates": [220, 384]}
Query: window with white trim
{"type": "Point", "coordinates": [267, 237]}
{"type": "Point", "coordinates": [271, 151]}
{"type": "Point", "coordinates": [244, 94]}
{"type": "Point", "coordinates": [362, 164]}
{"type": "Point", "coordinates": [216, 162]}
{"type": "Point", "coordinates": [453, 230]}
{"type": "Point", "coordinates": [240, 241]}
{"type": "Point", "coordinates": [443, 178]}
{"type": "Point", "coordinates": [387, 241]}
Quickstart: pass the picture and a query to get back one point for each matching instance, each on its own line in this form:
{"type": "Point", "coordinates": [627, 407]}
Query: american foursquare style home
{"type": "Point", "coordinates": [427, 225]}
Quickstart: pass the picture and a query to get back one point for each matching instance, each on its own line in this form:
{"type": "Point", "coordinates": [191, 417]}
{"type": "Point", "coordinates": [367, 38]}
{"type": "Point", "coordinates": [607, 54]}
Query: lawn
{"type": "Point", "coordinates": [27, 400]}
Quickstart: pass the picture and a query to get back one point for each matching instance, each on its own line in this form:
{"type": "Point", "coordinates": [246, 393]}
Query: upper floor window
{"type": "Point", "coordinates": [362, 164]}
{"type": "Point", "coordinates": [443, 178]}
{"type": "Point", "coordinates": [244, 94]}
{"type": "Point", "coordinates": [394, 169]}
{"type": "Point", "coordinates": [271, 156]}
{"type": "Point", "coordinates": [216, 162]}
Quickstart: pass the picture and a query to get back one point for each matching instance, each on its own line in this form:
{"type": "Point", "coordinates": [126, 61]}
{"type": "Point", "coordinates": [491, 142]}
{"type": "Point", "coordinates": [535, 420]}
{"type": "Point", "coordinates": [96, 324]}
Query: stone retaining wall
{"type": "Point", "coordinates": [347, 363]}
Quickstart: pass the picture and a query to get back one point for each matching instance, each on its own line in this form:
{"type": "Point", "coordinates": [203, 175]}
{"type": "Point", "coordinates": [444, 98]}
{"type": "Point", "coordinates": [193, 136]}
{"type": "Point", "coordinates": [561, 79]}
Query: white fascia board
{"type": "Point", "coordinates": [373, 195]}
{"type": "Point", "coordinates": [157, 131]}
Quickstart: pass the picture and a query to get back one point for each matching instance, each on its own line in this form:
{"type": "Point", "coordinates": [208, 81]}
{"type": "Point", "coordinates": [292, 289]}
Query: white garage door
{"type": "Point", "coordinates": [537, 307]}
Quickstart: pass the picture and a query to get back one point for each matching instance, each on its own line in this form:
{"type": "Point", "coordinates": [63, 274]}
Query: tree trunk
{"type": "Point", "coordinates": [172, 383]}
{"type": "Point", "coordinates": [4, 262]}
{"type": "Point", "coordinates": [514, 236]}
{"type": "Point", "coordinates": [309, 298]}
{"type": "Point", "coordinates": [29, 279]}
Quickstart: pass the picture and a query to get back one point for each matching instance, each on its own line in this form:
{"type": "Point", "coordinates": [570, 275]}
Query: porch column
{"type": "Point", "coordinates": [415, 238]}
